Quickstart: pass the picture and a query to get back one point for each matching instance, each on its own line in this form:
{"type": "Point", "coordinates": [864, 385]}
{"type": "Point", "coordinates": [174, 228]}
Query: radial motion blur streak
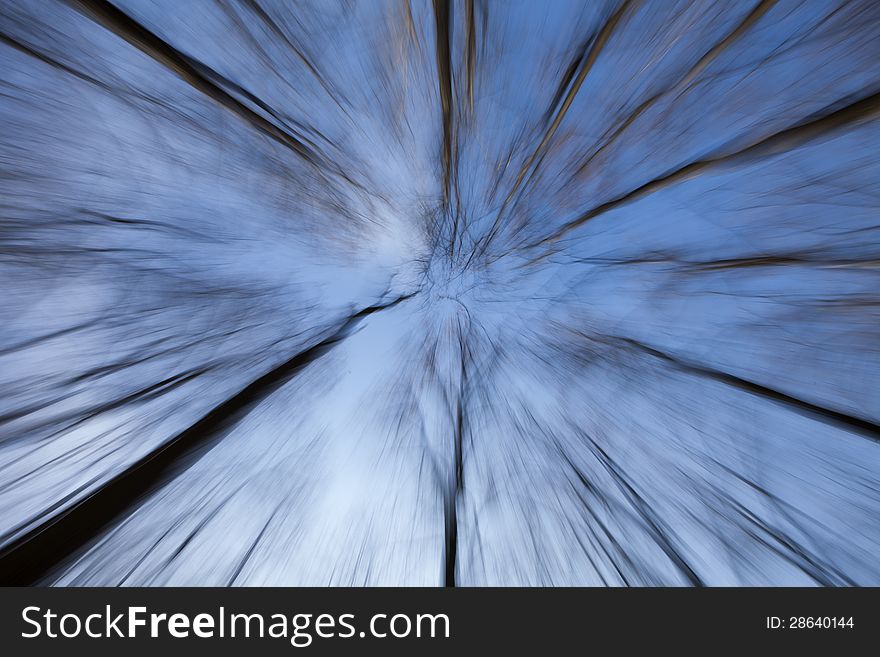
{"type": "Point", "coordinates": [440, 293]}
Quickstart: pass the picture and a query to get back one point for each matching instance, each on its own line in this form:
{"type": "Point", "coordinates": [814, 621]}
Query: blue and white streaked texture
{"type": "Point", "coordinates": [466, 293]}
